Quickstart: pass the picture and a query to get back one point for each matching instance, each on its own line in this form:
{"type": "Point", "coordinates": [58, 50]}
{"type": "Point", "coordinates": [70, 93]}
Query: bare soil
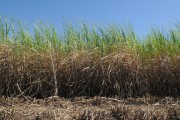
{"type": "Point", "coordinates": [96, 108]}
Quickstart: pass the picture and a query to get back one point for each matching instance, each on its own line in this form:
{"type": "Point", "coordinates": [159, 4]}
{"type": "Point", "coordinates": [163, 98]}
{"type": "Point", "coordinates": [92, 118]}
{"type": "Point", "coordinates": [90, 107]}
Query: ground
{"type": "Point", "coordinates": [83, 108]}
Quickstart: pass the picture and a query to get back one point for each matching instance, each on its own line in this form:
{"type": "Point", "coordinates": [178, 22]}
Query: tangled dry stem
{"type": "Point", "coordinates": [87, 74]}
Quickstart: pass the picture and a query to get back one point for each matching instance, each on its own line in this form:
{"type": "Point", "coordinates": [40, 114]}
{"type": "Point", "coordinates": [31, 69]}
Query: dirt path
{"type": "Point", "coordinates": [81, 108]}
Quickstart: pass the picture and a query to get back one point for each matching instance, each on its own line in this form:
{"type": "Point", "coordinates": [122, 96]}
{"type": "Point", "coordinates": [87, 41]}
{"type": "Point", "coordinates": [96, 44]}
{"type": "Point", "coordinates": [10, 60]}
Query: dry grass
{"type": "Point", "coordinates": [84, 74]}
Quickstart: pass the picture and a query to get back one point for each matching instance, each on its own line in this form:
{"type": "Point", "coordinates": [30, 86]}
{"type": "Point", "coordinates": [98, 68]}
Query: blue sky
{"type": "Point", "coordinates": [142, 14]}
